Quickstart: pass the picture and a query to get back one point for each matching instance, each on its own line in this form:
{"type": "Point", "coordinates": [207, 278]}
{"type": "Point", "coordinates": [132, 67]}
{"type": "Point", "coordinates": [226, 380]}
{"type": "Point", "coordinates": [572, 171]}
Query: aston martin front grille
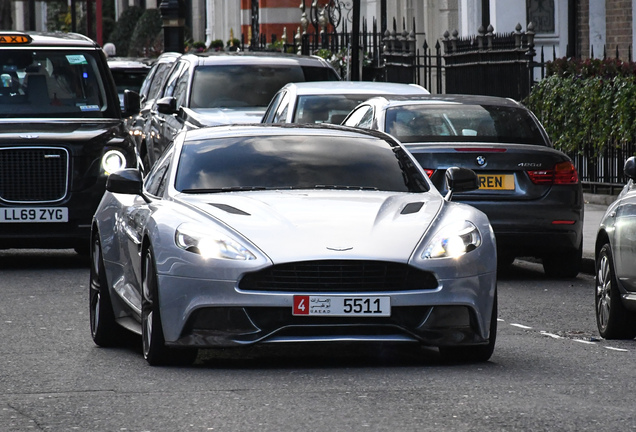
{"type": "Point", "coordinates": [339, 276]}
{"type": "Point", "coordinates": [33, 174]}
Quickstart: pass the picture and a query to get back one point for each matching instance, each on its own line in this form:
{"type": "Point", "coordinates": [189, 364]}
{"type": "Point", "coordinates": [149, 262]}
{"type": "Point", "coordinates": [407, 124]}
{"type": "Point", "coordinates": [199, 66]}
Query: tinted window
{"type": "Point", "coordinates": [358, 116]}
{"type": "Point", "coordinates": [38, 83]}
{"type": "Point", "coordinates": [303, 162]}
{"type": "Point", "coordinates": [155, 182]}
{"type": "Point", "coordinates": [474, 123]}
{"type": "Point", "coordinates": [157, 80]}
{"type": "Point", "coordinates": [326, 108]}
{"type": "Point", "coordinates": [226, 86]}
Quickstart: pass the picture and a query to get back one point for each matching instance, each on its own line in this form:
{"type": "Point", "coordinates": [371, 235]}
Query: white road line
{"type": "Point", "coordinates": [552, 335]}
{"type": "Point", "coordinates": [617, 349]}
{"type": "Point", "coordinates": [584, 341]}
{"type": "Point", "coordinates": [521, 326]}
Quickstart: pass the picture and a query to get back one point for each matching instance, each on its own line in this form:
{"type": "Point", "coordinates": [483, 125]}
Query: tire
{"type": "Point", "coordinates": [613, 320]}
{"type": "Point", "coordinates": [104, 329]}
{"type": "Point", "coordinates": [154, 346]}
{"type": "Point", "coordinates": [564, 264]}
{"type": "Point", "coordinates": [477, 353]}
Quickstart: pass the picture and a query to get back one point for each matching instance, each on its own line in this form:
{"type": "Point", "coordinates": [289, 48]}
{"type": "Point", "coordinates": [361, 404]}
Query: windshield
{"type": "Point", "coordinates": [225, 86]}
{"type": "Point", "coordinates": [326, 108]}
{"type": "Point", "coordinates": [46, 83]}
{"type": "Point", "coordinates": [296, 162]}
{"type": "Point", "coordinates": [463, 123]}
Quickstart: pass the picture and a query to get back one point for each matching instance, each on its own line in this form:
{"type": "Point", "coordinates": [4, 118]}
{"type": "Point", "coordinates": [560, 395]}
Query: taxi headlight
{"type": "Point", "coordinates": [113, 160]}
{"type": "Point", "coordinates": [453, 241]}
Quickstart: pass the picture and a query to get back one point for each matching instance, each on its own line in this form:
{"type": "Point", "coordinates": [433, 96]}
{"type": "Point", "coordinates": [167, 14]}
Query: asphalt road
{"type": "Point", "coordinates": [549, 370]}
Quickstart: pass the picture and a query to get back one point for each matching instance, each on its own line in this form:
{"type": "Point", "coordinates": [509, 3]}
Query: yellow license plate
{"type": "Point", "coordinates": [496, 181]}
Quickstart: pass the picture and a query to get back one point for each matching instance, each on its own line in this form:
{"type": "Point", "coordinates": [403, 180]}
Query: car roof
{"type": "Point", "coordinates": [396, 100]}
{"type": "Point", "coordinates": [259, 129]}
{"type": "Point", "coordinates": [129, 63]}
{"type": "Point", "coordinates": [354, 87]}
{"type": "Point", "coordinates": [29, 39]}
{"type": "Point", "coordinates": [229, 58]}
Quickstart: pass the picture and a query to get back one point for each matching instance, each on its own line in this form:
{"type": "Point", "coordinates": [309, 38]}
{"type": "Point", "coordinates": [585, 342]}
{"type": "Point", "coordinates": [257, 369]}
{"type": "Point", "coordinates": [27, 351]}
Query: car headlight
{"type": "Point", "coordinates": [113, 160]}
{"type": "Point", "coordinates": [210, 244]}
{"type": "Point", "coordinates": [453, 241]}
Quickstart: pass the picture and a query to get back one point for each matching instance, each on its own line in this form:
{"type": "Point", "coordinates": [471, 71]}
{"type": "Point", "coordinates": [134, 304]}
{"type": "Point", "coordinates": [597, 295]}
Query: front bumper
{"type": "Point", "coordinates": [209, 314]}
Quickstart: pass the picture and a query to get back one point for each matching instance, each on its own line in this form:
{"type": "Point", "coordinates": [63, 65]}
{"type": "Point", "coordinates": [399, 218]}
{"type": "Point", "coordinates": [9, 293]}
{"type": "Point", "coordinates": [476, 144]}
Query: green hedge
{"type": "Point", "coordinates": [588, 105]}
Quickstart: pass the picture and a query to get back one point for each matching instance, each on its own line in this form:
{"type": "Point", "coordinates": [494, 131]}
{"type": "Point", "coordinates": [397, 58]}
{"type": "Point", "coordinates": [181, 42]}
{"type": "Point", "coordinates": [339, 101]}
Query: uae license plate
{"type": "Point", "coordinates": [496, 181]}
{"type": "Point", "coordinates": [33, 214]}
{"type": "Point", "coordinates": [367, 306]}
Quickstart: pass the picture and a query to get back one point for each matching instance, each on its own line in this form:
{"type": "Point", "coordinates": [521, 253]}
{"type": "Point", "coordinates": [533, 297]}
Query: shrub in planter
{"type": "Point", "coordinates": [587, 105]}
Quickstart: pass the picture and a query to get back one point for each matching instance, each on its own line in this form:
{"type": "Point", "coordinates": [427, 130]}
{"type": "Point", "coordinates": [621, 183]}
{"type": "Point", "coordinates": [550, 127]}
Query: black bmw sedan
{"type": "Point", "coordinates": [529, 190]}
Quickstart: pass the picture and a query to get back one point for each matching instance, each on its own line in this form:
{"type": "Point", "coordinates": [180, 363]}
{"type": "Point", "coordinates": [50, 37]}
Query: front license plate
{"type": "Point", "coordinates": [342, 306]}
{"type": "Point", "coordinates": [496, 181]}
{"type": "Point", "coordinates": [34, 214]}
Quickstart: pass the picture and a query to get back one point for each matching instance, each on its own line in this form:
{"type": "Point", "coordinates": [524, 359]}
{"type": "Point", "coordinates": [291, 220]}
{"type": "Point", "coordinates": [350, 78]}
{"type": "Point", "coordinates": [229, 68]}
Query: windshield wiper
{"type": "Point", "coordinates": [223, 189]}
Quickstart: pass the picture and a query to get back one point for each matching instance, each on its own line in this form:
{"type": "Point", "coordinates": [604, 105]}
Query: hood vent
{"type": "Point", "coordinates": [230, 209]}
{"type": "Point", "coordinates": [411, 208]}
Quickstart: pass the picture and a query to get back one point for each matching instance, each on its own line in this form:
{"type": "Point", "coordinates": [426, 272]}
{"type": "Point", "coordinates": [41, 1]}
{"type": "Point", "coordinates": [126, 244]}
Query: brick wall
{"type": "Point", "coordinates": [583, 25]}
{"type": "Point", "coordinates": [618, 18]}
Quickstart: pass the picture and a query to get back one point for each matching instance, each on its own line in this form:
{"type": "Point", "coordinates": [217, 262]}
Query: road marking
{"type": "Point", "coordinates": [521, 326]}
{"type": "Point", "coordinates": [552, 335]}
{"type": "Point", "coordinates": [617, 349]}
{"type": "Point", "coordinates": [584, 341]}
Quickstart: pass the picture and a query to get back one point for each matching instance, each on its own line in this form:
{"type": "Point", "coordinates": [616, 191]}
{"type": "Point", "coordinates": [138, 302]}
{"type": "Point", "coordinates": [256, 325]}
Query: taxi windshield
{"type": "Point", "coordinates": [51, 83]}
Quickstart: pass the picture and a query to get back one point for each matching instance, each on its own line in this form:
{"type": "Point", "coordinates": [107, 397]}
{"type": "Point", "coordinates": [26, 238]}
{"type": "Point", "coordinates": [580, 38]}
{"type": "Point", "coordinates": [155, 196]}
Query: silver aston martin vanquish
{"type": "Point", "coordinates": [260, 234]}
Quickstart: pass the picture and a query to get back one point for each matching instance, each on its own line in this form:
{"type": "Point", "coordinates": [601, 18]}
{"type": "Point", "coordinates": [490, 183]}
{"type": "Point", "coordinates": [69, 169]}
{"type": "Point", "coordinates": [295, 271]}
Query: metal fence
{"type": "Point", "coordinates": [492, 64]}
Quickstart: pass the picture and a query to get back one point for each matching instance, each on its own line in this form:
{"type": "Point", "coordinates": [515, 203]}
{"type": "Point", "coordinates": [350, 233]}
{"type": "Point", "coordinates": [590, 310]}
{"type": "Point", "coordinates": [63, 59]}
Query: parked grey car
{"type": "Point", "coordinates": [245, 235]}
{"type": "Point", "coordinates": [615, 252]}
{"type": "Point", "coordinates": [529, 190]}
{"type": "Point", "coordinates": [328, 101]}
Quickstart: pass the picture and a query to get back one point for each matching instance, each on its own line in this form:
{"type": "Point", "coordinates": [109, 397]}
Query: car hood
{"type": "Point", "coordinates": [201, 117]}
{"type": "Point", "coordinates": [299, 225]}
{"type": "Point", "coordinates": [67, 130]}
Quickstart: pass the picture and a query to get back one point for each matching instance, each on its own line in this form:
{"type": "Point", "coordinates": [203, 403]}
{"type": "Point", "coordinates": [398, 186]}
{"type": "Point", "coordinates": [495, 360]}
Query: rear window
{"type": "Point", "coordinates": [225, 86]}
{"type": "Point", "coordinates": [51, 83]}
{"type": "Point", "coordinates": [296, 162]}
{"type": "Point", "coordinates": [463, 123]}
{"type": "Point", "coordinates": [326, 108]}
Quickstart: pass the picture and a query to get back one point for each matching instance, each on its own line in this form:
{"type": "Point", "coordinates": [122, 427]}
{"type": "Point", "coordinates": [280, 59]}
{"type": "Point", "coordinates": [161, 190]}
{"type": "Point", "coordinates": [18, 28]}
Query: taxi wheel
{"type": "Point", "coordinates": [477, 353]}
{"type": "Point", "coordinates": [613, 320]}
{"type": "Point", "coordinates": [104, 330]}
{"type": "Point", "coordinates": [154, 346]}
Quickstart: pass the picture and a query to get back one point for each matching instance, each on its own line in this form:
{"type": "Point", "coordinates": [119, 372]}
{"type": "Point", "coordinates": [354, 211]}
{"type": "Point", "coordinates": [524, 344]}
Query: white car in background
{"type": "Point", "coordinates": [328, 101]}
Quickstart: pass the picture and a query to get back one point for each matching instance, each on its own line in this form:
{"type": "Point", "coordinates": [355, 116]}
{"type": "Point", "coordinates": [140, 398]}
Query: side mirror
{"type": "Point", "coordinates": [460, 180]}
{"type": "Point", "coordinates": [167, 105]}
{"type": "Point", "coordinates": [125, 181]}
{"type": "Point", "coordinates": [630, 168]}
{"type": "Point", "coordinates": [132, 103]}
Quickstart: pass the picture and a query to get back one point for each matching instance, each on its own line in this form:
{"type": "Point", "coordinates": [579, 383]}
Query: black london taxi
{"type": "Point", "coordinates": [61, 135]}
